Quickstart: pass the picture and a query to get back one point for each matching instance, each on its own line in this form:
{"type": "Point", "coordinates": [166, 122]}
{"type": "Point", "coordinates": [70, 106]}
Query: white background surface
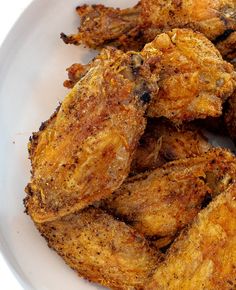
{"type": "Point", "coordinates": [10, 10]}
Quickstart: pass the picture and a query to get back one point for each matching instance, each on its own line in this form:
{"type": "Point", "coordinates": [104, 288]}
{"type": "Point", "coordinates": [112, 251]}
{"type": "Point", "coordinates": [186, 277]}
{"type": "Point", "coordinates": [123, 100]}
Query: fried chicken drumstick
{"type": "Point", "coordinates": [161, 203]}
{"type": "Point", "coordinates": [83, 153]}
{"type": "Point", "coordinates": [132, 28]}
{"type": "Point", "coordinates": [102, 249]}
{"type": "Point", "coordinates": [204, 256]}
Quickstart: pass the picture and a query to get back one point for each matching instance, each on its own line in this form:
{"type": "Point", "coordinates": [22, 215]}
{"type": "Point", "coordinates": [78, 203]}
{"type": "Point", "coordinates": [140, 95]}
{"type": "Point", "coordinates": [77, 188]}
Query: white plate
{"type": "Point", "coordinates": [33, 61]}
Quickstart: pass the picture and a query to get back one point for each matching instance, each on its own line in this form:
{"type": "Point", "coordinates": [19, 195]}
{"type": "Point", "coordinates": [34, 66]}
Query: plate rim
{"type": "Point", "coordinates": [7, 42]}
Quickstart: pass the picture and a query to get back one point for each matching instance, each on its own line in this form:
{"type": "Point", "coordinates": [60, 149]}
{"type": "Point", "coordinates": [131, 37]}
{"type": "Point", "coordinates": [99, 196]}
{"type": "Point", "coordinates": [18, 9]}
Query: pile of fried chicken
{"type": "Point", "coordinates": [125, 187]}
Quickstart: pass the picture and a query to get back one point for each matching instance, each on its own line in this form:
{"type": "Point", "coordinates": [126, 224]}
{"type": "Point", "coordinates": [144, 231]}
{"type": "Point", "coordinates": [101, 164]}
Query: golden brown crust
{"type": "Point", "coordinates": [210, 17]}
{"type": "Point", "coordinates": [230, 116]}
{"type": "Point", "coordinates": [75, 72]}
{"type": "Point", "coordinates": [164, 201]}
{"type": "Point", "coordinates": [132, 28]}
{"type": "Point", "coordinates": [84, 154]}
{"type": "Point", "coordinates": [163, 142]}
{"type": "Point", "coordinates": [203, 257]}
{"type": "Point", "coordinates": [102, 249]}
{"type": "Point", "coordinates": [194, 80]}
{"type": "Point", "coordinates": [102, 25]}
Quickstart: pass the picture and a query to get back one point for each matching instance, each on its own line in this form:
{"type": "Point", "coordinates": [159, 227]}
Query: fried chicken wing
{"type": "Point", "coordinates": [203, 257]}
{"type": "Point", "coordinates": [102, 249]}
{"type": "Point", "coordinates": [194, 80]}
{"type": "Point", "coordinates": [163, 142]}
{"type": "Point", "coordinates": [84, 152]}
{"type": "Point", "coordinates": [209, 17]}
{"type": "Point", "coordinates": [131, 29]}
{"type": "Point", "coordinates": [102, 25]}
{"type": "Point", "coordinates": [162, 202]}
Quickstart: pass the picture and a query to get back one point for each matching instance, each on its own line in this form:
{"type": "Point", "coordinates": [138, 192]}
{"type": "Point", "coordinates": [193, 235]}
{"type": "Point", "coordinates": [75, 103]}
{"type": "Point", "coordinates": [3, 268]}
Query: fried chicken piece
{"type": "Point", "coordinates": [132, 28]}
{"type": "Point", "coordinates": [194, 80]}
{"type": "Point", "coordinates": [102, 249]}
{"type": "Point", "coordinates": [84, 152]}
{"type": "Point", "coordinates": [203, 257]}
{"type": "Point", "coordinates": [163, 142]}
{"type": "Point", "coordinates": [164, 201]}
{"type": "Point", "coordinates": [102, 25]}
{"type": "Point", "coordinates": [75, 72]}
{"type": "Point", "coordinates": [210, 17]}
{"type": "Point", "coordinates": [227, 47]}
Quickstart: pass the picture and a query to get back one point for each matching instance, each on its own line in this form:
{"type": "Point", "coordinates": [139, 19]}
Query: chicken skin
{"type": "Point", "coordinates": [210, 17]}
{"type": "Point", "coordinates": [83, 153]}
{"type": "Point", "coordinates": [194, 80]}
{"type": "Point", "coordinates": [102, 249]}
{"type": "Point", "coordinates": [132, 28]}
{"type": "Point", "coordinates": [101, 25]}
{"type": "Point", "coordinates": [204, 256]}
{"type": "Point", "coordinates": [161, 203]}
{"type": "Point", "coordinates": [163, 142]}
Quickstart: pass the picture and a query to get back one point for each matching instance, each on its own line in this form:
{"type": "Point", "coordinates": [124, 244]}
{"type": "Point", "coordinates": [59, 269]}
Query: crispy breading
{"type": "Point", "coordinates": [194, 79]}
{"type": "Point", "coordinates": [203, 257]}
{"type": "Point", "coordinates": [164, 201]}
{"type": "Point", "coordinates": [85, 152]}
{"type": "Point", "coordinates": [163, 142]}
{"type": "Point", "coordinates": [102, 249]}
{"type": "Point", "coordinates": [75, 72]}
{"type": "Point", "coordinates": [131, 29]}
{"type": "Point", "coordinates": [100, 25]}
{"type": "Point", "coordinates": [209, 17]}
{"type": "Point", "coordinates": [227, 47]}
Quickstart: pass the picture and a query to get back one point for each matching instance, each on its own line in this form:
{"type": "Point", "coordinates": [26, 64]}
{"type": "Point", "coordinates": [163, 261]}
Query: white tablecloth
{"type": "Point", "coordinates": [10, 10]}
